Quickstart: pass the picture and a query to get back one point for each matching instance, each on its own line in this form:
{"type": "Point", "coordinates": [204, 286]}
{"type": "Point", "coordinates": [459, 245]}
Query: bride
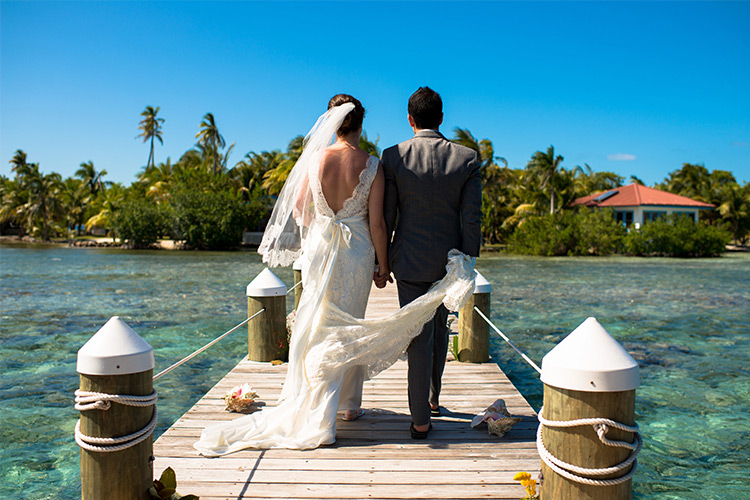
{"type": "Point", "coordinates": [329, 215]}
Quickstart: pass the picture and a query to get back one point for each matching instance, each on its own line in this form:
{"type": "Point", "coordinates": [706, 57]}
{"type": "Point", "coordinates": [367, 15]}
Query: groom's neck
{"type": "Point", "coordinates": [415, 129]}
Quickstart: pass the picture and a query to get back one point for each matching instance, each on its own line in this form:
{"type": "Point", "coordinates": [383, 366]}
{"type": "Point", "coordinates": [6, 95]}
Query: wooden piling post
{"type": "Point", "coordinates": [116, 361]}
{"type": "Point", "coordinates": [297, 267]}
{"type": "Point", "coordinates": [587, 375]}
{"type": "Point", "coordinates": [473, 330]}
{"type": "Point", "coordinates": [266, 334]}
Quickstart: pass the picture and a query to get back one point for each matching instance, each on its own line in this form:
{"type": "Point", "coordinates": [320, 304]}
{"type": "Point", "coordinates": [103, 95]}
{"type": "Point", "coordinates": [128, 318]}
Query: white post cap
{"type": "Point", "coordinates": [481, 285]}
{"type": "Point", "coordinates": [115, 350]}
{"type": "Point", "coordinates": [590, 360]}
{"type": "Point", "coordinates": [266, 284]}
{"type": "Point", "coordinates": [297, 266]}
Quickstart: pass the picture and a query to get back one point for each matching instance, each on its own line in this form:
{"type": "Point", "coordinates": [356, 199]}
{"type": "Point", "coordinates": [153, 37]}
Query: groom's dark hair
{"type": "Point", "coordinates": [426, 108]}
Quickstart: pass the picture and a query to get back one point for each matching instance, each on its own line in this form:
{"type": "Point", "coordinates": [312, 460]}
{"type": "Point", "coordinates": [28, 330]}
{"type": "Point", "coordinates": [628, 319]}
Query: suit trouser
{"type": "Point", "coordinates": [426, 354]}
{"type": "Point", "coordinates": [350, 397]}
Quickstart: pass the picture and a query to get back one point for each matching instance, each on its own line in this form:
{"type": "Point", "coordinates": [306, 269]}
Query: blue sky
{"type": "Point", "coordinates": [637, 88]}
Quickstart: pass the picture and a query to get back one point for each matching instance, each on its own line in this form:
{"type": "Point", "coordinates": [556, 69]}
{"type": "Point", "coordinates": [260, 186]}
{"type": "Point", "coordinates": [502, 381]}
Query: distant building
{"type": "Point", "coordinates": [640, 204]}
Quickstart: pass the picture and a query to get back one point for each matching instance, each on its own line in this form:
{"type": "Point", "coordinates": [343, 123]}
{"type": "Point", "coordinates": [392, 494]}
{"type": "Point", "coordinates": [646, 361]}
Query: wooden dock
{"type": "Point", "coordinates": [374, 457]}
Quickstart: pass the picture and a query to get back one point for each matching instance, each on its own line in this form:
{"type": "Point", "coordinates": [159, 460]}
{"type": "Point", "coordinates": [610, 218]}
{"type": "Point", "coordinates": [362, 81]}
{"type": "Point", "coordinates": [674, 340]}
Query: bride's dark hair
{"type": "Point", "coordinates": [353, 120]}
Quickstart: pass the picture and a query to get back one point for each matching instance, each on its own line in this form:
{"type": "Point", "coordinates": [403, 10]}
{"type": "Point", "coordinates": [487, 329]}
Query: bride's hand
{"type": "Point", "coordinates": [381, 276]}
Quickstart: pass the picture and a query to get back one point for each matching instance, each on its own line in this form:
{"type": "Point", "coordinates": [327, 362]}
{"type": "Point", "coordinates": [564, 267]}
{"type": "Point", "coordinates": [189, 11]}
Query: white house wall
{"type": "Point", "coordinates": [638, 211]}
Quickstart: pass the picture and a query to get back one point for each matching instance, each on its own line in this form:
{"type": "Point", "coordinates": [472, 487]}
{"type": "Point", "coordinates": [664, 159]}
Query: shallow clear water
{"type": "Point", "coordinates": [685, 321]}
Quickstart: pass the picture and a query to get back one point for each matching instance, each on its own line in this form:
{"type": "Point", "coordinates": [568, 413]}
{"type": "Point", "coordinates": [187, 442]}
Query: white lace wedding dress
{"type": "Point", "coordinates": [329, 335]}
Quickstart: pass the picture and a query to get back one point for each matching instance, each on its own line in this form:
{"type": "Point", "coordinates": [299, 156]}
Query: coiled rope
{"type": "Point", "coordinates": [601, 426]}
{"type": "Point", "coordinates": [86, 401]}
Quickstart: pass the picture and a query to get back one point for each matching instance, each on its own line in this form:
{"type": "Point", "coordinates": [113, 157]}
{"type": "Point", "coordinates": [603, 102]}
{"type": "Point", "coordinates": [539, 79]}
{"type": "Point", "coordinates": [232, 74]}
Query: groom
{"type": "Point", "coordinates": [433, 198]}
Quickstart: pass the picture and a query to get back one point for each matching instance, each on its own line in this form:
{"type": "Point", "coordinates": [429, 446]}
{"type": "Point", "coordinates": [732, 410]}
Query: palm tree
{"type": "Point", "coordinates": [151, 127]}
{"type": "Point", "coordinates": [691, 181]}
{"type": "Point", "coordinates": [521, 214]}
{"type": "Point", "coordinates": [368, 146]}
{"type": "Point", "coordinates": [13, 198]}
{"type": "Point", "coordinates": [108, 205]}
{"type": "Point", "coordinates": [157, 179]}
{"type": "Point", "coordinates": [735, 210]}
{"type": "Point", "coordinates": [20, 166]}
{"type": "Point", "coordinates": [76, 197]}
{"type": "Point", "coordinates": [251, 171]}
{"type": "Point", "coordinates": [590, 182]}
{"type": "Point", "coordinates": [87, 172]}
{"type": "Point", "coordinates": [44, 202]}
{"type": "Point", "coordinates": [545, 167]}
{"type": "Point", "coordinates": [497, 180]}
{"type": "Point", "coordinates": [210, 138]}
{"type": "Point", "coordinates": [484, 148]}
{"type": "Point", "coordinates": [15, 193]}
{"type": "Point", "coordinates": [274, 178]}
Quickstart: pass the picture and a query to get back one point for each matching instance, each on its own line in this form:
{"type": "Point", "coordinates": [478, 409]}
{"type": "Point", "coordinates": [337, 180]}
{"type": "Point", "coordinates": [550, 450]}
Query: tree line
{"type": "Point", "coordinates": [203, 202]}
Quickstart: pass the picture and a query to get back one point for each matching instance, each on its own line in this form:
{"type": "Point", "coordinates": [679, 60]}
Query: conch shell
{"type": "Point", "coordinates": [498, 418]}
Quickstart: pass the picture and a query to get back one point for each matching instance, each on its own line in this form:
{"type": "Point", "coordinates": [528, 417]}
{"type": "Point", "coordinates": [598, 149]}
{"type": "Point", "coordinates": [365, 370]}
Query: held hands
{"type": "Point", "coordinates": [381, 276]}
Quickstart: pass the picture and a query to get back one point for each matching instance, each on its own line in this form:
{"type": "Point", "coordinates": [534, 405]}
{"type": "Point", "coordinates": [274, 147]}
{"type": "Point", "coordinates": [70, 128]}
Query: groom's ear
{"type": "Point", "coordinates": [441, 119]}
{"type": "Point", "coordinates": [411, 121]}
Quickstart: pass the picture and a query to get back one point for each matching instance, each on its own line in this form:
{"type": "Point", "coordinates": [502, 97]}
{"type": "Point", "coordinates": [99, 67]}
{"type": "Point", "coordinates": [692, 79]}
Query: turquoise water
{"type": "Point", "coordinates": [685, 321]}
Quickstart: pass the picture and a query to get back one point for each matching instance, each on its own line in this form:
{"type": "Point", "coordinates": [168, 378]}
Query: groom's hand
{"type": "Point", "coordinates": [380, 281]}
{"type": "Point", "coordinates": [381, 277]}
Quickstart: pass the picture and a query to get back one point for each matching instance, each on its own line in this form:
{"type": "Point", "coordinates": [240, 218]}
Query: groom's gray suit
{"type": "Point", "coordinates": [433, 198]}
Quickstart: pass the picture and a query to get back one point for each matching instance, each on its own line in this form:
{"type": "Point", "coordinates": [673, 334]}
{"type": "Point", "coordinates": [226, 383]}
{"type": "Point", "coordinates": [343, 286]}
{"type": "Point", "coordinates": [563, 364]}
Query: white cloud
{"type": "Point", "coordinates": [621, 157]}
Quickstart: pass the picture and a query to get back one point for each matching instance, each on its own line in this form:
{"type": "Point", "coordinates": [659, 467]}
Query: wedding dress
{"type": "Point", "coordinates": [330, 336]}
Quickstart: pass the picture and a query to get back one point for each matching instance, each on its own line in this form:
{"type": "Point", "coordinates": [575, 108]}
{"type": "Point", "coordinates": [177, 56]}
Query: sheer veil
{"type": "Point", "coordinates": [327, 339]}
{"type": "Point", "coordinates": [282, 240]}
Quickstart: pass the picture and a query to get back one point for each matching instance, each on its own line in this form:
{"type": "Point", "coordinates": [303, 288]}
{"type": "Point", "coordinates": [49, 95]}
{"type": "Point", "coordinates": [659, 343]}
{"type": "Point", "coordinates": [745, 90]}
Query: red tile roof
{"type": "Point", "coordinates": [637, 195]}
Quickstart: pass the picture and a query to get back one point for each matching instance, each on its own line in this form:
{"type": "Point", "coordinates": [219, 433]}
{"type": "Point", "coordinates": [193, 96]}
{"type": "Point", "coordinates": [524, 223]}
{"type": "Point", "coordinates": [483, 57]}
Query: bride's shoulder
{"type": "Point", "coordinates": [372, 160]}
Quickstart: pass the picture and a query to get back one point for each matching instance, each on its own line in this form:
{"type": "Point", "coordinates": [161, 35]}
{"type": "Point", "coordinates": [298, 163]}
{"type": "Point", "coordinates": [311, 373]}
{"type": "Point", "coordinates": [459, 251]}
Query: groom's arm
{"type": "Point", "coordinates": [390, 198]}
{"type": "Point", "coordinates": [471, 210]}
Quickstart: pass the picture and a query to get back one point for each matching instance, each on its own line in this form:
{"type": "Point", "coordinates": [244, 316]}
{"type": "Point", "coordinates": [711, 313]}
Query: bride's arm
{"type": "Point", "coordinates": [377, 224]}
{"type": "Point", "coordinates": [301, 212]}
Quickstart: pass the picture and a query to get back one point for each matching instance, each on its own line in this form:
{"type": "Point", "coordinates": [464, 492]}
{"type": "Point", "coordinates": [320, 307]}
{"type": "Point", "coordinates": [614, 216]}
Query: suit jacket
{"type": "Point", "coordinates": [433, 198]}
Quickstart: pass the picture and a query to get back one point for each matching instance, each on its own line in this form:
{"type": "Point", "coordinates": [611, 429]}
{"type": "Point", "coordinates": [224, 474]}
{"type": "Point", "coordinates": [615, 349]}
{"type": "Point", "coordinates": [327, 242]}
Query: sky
{"type": "Point", "coordinates": [635, 88]}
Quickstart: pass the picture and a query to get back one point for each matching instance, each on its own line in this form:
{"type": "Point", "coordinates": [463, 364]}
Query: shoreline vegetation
{"type": "Point", "coordinates": [175, 245]}
{"type": "Point", "coordinates": [202, 203]}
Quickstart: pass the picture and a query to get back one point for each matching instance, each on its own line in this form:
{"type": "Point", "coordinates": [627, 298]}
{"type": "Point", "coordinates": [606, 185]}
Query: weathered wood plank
{"type": "Point", "coordinates": [374, 456]}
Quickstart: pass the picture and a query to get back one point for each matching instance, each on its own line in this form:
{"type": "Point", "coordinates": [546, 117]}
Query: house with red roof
{"type": "Point", "coordinates": [637, 204]}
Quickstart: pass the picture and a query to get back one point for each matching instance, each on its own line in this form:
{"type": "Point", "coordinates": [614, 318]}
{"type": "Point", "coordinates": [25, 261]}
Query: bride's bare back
{"type": "Point", "coordinates": [339, 173]}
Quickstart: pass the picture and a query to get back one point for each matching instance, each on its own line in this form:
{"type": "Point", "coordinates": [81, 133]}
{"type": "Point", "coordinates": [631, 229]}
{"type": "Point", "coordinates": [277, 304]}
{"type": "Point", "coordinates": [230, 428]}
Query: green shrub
{"type": "Point", "coordinates": [677, 237]}
{"type": "Point", "coordinates": [587, 232]}
{"type": "Point", "coordinates": [207, 219]}
{"type": "Point", "coordinates": [141, 222]}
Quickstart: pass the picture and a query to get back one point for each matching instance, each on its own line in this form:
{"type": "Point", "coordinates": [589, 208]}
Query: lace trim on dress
{"type": "Point", "coordinates": [356, 203]}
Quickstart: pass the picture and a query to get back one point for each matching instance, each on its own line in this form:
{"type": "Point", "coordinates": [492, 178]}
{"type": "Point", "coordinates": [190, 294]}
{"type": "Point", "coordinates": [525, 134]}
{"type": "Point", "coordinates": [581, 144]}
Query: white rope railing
{"type": "Point", "coordinates": [601, 426]}
{"type": "Point", "coordinates": [497, 330]}
{"type": "Point", "coordinates": [194, 354]}
{"type": "Point", "coordinates": [86, 401]}
{"type": "Point", "coordinates": [191, 356]}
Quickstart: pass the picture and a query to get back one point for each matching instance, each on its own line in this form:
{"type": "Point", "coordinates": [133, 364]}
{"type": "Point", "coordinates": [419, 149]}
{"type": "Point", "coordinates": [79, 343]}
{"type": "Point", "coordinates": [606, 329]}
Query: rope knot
{"type": "Point", "coordinates": [86, 401]}
{"type": "Point", "coordinates": [601, 427]}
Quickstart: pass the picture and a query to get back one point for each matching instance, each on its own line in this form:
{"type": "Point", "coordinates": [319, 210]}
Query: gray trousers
{"type": "Point", "coordinates": [426, 354]}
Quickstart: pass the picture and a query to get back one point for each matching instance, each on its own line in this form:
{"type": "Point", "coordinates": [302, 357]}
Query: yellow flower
{"type": "Point", "coordinates": [522, 476]}
{"type": "Point", "coordinates": [531, 488]}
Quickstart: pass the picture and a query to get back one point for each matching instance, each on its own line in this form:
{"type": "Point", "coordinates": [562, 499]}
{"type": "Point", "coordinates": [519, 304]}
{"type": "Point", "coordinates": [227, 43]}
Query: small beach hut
{"type": "Point", "coordinates": [638, 204]}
